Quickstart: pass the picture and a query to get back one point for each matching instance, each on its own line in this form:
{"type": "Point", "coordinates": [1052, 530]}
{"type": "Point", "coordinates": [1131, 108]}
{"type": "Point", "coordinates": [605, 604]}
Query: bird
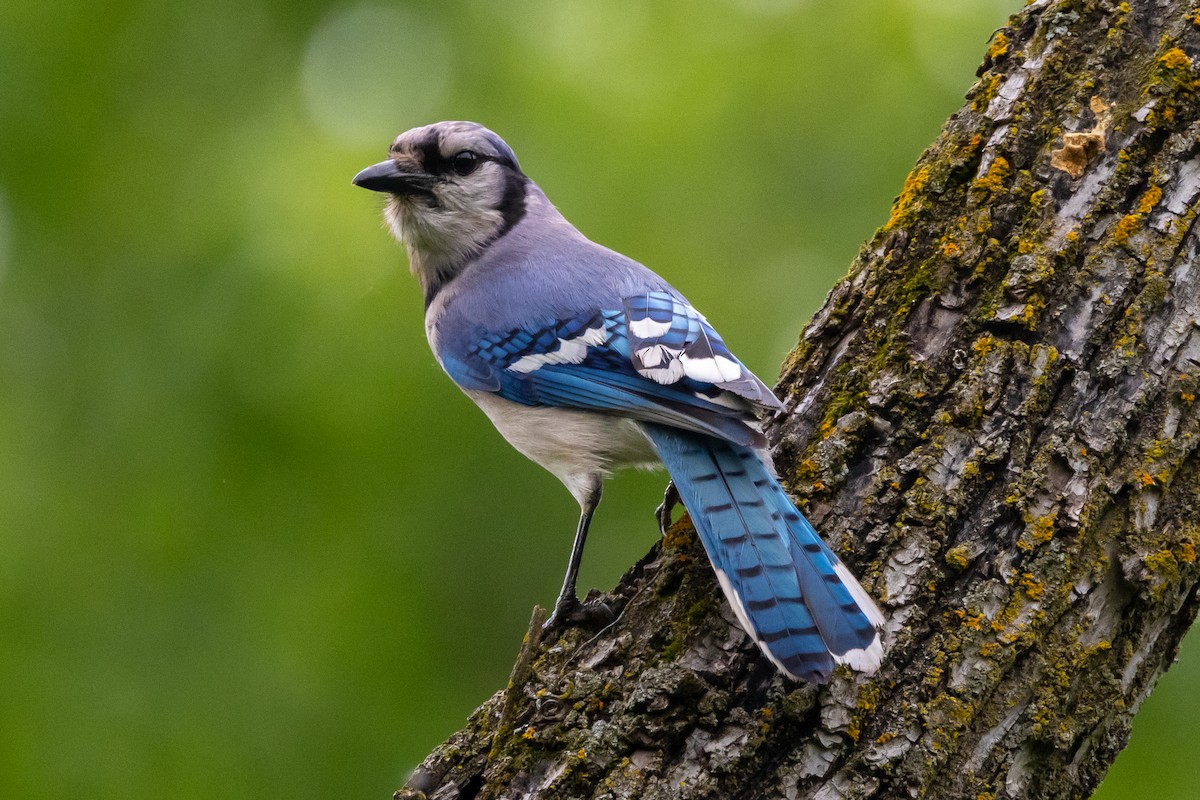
{"type": "Point", "coordinates": [588, 362]}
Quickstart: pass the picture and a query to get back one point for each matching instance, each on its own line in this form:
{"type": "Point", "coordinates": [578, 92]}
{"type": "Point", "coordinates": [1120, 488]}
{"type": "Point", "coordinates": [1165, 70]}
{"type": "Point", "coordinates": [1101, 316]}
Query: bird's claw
{"type": "Point", "coordinates": [570, 612]}
{"type": "Point", "coordinates": [562, 612]}
{"type": "Point", "coordinates": [663, 512]}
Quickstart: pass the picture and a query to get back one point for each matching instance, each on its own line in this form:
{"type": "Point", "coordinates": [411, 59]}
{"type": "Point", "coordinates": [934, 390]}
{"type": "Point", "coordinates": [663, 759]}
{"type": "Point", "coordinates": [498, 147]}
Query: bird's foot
{"type": "Point", "coordinates": [563, 609]}
{"type": "Point", "coordinates": [570, 612]}
{"type": "Point", "coordinates": [663, 512]}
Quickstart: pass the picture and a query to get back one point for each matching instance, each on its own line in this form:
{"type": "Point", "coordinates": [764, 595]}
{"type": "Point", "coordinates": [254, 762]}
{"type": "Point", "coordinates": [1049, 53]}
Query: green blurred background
{"type": "Point", "coordinates": [252, 542]}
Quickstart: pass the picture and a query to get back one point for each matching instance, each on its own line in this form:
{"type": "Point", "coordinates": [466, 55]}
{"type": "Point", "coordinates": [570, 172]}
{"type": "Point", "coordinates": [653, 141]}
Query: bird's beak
{"type": "Point", "coordinates": [386, 176]}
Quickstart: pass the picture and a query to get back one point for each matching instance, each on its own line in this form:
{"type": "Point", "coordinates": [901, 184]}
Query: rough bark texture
{"type": "Point", "coordinates": [993, 420]}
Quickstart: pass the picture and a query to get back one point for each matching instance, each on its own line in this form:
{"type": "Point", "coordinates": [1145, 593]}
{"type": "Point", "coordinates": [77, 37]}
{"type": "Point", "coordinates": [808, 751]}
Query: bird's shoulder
{"type": "Point", "coordinates": [533, 281]}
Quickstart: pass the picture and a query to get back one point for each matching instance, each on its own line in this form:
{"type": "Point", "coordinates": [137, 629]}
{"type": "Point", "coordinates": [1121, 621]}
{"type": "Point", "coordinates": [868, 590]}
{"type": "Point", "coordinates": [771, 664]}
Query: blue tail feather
{"type": "Point", "coordinates": [789, 590]}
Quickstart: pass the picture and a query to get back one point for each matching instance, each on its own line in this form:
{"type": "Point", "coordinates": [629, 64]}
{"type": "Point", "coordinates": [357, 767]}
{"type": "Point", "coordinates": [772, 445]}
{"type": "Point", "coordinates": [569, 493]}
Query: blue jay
{"type": "Point", "coordinates": [587, 362]}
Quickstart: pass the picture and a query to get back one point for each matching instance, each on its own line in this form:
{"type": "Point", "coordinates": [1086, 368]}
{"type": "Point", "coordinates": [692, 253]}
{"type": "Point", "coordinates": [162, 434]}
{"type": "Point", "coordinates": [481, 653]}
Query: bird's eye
{"type": "Point", "coordinates": [464, 163]}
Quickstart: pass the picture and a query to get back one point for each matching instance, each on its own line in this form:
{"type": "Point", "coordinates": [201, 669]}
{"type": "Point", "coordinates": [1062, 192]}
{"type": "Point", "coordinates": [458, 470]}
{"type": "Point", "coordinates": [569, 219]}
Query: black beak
{"type": "Point", "coordinates": [386, 176]}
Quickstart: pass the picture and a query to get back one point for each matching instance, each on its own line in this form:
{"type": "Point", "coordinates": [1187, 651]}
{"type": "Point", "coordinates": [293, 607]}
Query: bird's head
{"type": "Point", "coordinates": [453, 187]}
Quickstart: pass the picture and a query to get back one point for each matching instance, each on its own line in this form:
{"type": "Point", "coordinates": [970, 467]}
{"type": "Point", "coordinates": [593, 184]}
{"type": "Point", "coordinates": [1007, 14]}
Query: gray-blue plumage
{"type": "Point", "coordinates": [587, 362]}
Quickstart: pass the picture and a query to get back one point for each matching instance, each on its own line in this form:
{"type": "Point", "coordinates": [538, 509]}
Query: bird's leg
{"type": "Point", "coordinates": [663, 512]}
{"type": "Point", "coordinates": [567, 602]}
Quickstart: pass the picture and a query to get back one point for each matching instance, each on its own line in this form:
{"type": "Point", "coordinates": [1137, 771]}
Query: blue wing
{"type": "Point", "coordinates": [670, 340]}
{"type": "Point", "coordinates": [655, 359]}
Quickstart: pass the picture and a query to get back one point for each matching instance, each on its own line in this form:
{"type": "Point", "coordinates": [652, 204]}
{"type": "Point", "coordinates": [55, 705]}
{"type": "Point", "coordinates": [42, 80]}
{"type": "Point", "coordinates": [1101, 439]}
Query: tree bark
{"type": "Point", "coordinates": [993, 421]}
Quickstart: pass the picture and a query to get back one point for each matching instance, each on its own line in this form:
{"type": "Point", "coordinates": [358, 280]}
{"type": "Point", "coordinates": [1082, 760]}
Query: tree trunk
{"type": "Point", "coordinates": [992, 419]}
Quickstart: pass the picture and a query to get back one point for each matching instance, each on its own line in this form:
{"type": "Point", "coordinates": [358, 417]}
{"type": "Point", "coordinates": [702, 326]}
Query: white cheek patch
{"type": "Point", "coordinates": [394, 217]}
{"type": "Point", "coordinates": [443, 234]}
{"type": "Point", "coordinates": [570, 351]}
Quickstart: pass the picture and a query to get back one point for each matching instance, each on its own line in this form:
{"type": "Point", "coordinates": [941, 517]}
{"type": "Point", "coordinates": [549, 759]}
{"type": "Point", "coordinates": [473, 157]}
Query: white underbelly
{"type": "Point", "coordinates": [577, 447]}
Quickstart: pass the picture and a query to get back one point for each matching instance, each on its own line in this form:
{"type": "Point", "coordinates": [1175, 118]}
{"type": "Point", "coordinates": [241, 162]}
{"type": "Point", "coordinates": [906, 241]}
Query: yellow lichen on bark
{"type": "Point", "coordinates": [903, 209]}
{"type": "Point", "coordinates": [999, 47]}
{"type": "Point", "coordinates": [1149, 200]}
{"type": "Point", "coordinates": [1175, 59]}
{"type": "Point", "coordinates": [997, 173]}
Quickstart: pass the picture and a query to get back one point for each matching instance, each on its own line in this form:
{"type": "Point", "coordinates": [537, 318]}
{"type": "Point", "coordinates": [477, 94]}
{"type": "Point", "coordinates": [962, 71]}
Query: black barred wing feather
{"type": "Point", "coordinates": [670, 341]}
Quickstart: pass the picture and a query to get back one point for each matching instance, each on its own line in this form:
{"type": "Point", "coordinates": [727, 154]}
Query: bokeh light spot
{"type": "Point", "coordinates": [371, 72]}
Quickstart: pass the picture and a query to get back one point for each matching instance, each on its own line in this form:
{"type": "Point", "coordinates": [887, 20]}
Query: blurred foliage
{"type": "Point", "coordinates": [254, 544]}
